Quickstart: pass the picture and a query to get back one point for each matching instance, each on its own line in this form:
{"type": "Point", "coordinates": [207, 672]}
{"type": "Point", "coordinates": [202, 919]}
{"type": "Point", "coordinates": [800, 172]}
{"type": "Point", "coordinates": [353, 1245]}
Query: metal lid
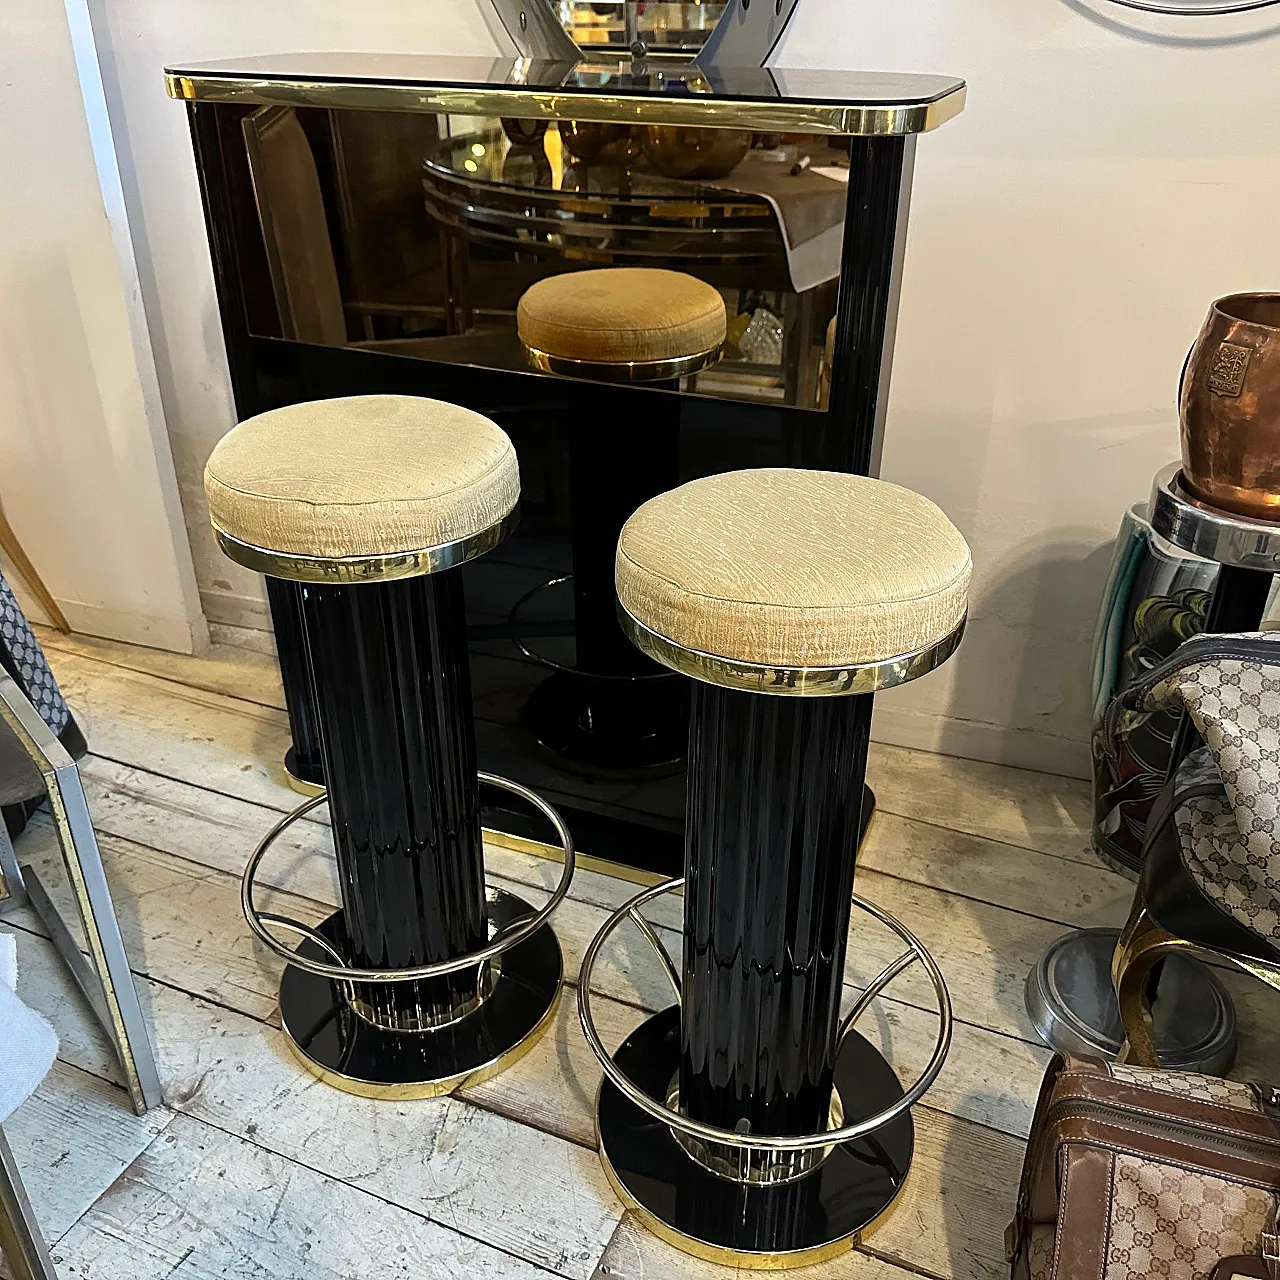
{"type": "Point", "coordinates": [1222, 536]}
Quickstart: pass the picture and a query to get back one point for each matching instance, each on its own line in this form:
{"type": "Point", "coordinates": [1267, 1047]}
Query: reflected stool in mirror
{"type": "Point", "coordinates": [614, 712]}
{"type": "Point", "coordinates": [750, 1123]}
{"type": "Point", "coordinates": [423, 980]}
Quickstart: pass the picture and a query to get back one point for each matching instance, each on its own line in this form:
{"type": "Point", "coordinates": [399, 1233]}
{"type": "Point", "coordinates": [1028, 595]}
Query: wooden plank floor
{"type": "Point", "coordinates": [252, 1168]}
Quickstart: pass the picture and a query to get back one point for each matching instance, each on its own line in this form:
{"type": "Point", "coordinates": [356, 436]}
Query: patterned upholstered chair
{"type": "Point", "coordinates": [1211, 870]}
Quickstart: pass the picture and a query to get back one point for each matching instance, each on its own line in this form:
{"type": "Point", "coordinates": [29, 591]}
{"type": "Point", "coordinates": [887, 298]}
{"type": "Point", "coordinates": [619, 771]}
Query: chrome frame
{"type": "Point", "coordinates": [1241, 542]}
{"type": "Point", "coordinates": [105, 978]}
{"type": "Point", "coordinates": [370, 568]}
{"type": "Point", "coordinates": [795, 682]}
{"type": "Point", "coordinates": [515, 933]}
{"type": "Point", "coordinates": [21, 1241]}
{"type": "Point", "coordinates": [759, 1141]}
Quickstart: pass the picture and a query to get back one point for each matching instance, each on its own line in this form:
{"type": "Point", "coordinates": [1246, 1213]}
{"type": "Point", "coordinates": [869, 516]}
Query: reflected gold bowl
{"type": "Point", "coordinates": [1230, 407]}
{"type": "Point", "coordinates": [678, 152]}
{"type": "Point", "coordinates": [524, 133]}
{"type": "Point", "coordinates": [605, 143]}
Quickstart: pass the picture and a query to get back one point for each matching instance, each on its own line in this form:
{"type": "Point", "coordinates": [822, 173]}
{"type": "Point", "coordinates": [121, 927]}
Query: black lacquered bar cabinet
{"type": "Point", "coordinates": [374, 221]}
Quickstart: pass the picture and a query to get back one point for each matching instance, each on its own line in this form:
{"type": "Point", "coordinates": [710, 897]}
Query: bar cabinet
{"type": "Point", "coordinates": [374, 220]}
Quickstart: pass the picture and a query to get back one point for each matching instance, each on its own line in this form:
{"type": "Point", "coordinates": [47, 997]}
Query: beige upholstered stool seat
{"type": "Point", "coordinates": [622, 315]}
{"type": "Point", "coordinates": [364, 476]}
{"type": "Point", "coordinates": [795, 569]}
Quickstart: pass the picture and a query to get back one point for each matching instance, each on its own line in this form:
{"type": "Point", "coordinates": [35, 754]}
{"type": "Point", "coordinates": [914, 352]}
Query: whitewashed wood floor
{"type": "Point", "coordinates": [254, 1169]}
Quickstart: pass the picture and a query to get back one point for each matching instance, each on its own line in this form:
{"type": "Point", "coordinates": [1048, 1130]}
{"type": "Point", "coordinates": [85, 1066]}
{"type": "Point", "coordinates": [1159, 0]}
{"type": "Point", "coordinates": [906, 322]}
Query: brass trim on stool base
{"type": "Point", "coordinates": [529, 982]}
{"type": "Point", "coordinates": [300, 785]}
{"type": "Point", "coordinates": [650, 1194]}
{"type": "Point", "coordinates": [322, 1018]}
{"type": "Point", "coordinates": [849, 1177]}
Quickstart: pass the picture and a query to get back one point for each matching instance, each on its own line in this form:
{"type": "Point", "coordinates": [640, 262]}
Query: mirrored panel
{"type": "Point", "coordinates": [662, 26]}
{"type": "Point", "coordinates": [416, 234]}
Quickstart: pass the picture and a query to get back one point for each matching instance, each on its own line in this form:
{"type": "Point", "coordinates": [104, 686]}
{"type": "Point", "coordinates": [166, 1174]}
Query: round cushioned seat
{"type": "Point", "coordinates": [622, 315]}
{"type": "Point", "coordinates": [798, 569]}
{"type": "Point", "coordinates": [363, 476]}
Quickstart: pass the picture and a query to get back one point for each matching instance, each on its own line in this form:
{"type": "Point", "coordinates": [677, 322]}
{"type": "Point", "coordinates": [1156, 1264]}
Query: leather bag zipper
{"type": "Point", "coordinates": [1259, 1149]}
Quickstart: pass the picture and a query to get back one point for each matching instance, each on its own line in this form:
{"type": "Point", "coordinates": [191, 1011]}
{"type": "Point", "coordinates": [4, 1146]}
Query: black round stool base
{"type": "Point", "coordinates": [353, 1055]}
{"type": "Point", "coordinates": [811, 1219]}
{"type": "Point", "coordinates": [611, 728]}
{"type": "Point", "coordinates": [305, 781]}
{"type": "Point", "coordinates": [1073, 1005]}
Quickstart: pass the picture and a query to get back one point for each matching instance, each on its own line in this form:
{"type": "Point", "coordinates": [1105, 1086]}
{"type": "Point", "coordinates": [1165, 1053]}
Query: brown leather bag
{"type": "Point", "coordinates": [1132, 1172]}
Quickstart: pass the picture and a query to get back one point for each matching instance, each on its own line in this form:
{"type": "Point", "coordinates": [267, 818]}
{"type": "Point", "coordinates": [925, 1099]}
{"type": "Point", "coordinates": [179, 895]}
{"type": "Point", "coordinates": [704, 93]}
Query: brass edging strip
{"type": "Point", "coordinates": [726, 1257]}
{"type": "Point", "coordinates": [585, 862]}
{"type": "Point", "coordinates": [880, 120]}
{"type": "Point", "coordinates": [795, 682]}
{"type": "Point", "coordinates": [373, 568]}
{"type": "Point", "coordinates": [420, 1089]}
{"type": "Point", "coordinates": [623, 370]}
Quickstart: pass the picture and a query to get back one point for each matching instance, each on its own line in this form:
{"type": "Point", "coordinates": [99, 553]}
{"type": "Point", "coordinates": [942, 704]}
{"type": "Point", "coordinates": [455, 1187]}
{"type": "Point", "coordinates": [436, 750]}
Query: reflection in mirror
{"type": "Point", "coordinates": [416, 235]}
{"type": "Point", "coordinates": [663, 26]}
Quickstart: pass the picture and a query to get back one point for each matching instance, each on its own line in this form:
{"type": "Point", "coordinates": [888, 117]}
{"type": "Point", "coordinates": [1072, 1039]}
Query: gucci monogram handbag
{"type": "Point", "coordinates": [1133, 1173]}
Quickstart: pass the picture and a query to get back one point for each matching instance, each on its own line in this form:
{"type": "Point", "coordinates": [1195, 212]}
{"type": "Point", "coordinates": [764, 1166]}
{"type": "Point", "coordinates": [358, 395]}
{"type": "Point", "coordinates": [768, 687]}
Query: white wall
{"type": "Point", "coordinates": [85, 474]}
{"type": "Point", "coordinates": [136, 39]}
{"type": "Point", "coordinates": [1068, 233]}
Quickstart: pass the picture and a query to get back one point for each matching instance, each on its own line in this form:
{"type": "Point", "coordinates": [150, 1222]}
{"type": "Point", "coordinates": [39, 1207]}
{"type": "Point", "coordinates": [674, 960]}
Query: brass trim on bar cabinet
{"type": "Point", "coordinates": [373, 568]}
{"type": "Point", "coordinates": [585, 862]}
{"type": "Point", "coordinates": [881, 119]}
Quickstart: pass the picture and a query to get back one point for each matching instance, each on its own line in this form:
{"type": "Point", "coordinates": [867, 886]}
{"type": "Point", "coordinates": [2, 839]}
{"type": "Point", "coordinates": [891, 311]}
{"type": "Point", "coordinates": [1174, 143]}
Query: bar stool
{"type": "Point", "coordinates": [614, 712]}
{"type": "Point", "coordinates": [789, 597]}
{"type": "Point", "coordinates": [424, 979]}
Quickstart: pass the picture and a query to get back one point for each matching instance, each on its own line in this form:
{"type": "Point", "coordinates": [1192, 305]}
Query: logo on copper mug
{"type": "Point", "coordinates": [1226, 373]}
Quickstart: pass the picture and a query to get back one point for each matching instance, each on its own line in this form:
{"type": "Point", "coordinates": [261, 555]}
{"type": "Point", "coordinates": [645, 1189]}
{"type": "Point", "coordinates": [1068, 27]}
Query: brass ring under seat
{"type": "Point", "coordinates": [803, 682]}
{"type": "Point", "coordinates": [372, 568]}
{"type": "Point", "coordinates": [623, 371]}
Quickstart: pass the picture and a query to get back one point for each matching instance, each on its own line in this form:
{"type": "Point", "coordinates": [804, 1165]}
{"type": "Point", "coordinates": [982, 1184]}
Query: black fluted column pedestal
{"type": "Point", "coordinates": [393, 705]}
{"type": "Point", "coordinates": [750, 1123]}
{"type": "Point", "coordinates": [303, 764]}
{"type": "Point", "coordinates": [773, 826]}
{"type": "Point", "coordinates": [616, 713]}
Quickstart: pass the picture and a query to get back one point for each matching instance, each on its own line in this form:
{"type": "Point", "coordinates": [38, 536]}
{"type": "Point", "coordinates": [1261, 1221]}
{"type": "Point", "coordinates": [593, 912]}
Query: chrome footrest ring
{"type": "Point", "coordinates": [676, 1121]}
{"type": "Point", "coordinates": [511, 936]}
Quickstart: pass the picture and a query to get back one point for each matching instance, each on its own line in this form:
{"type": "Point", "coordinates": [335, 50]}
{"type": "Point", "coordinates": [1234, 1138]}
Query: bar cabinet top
{"type": "Point", "coordinates": [654, 91]}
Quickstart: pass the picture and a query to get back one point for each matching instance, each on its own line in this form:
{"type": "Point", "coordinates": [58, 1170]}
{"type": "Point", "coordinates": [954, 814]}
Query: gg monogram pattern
{"type": "Point", "coordinates": [1187, 1084]}
{"type": "Point", "coordinates": [1231, 841]}
{"type": "Point", "coordinates": [1167, 1221]}
{"type": "Point", "coordinates": [1040, 1251]}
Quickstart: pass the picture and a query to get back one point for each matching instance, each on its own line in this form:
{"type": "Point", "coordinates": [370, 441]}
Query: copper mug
{"type": "Point", "coordinates": [1230, 407]}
